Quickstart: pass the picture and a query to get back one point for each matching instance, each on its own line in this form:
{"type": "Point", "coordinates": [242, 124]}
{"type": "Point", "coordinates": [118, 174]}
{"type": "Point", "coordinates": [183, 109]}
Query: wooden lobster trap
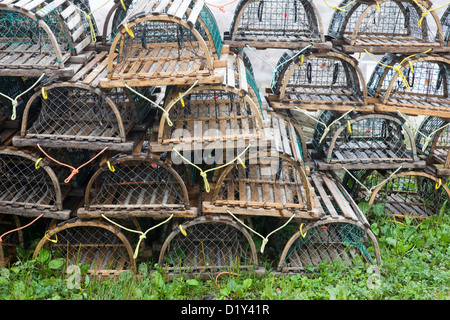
{"type": "Point", "coordinates": [212, 115]}
{"type": "Point", "coordinates": [39, 36]}
{"type": "Point", "coordinates": [386, 26]}
{"type": "Point", "coordinates": [9, 239]}
{"type": "Point", "coordinates": [29, 187]}
{"type": "Point", "coordinates": [377, 141]}
{"type": "Point", "coordinates": [275, 24]}
{"type": "Point", "coordinates": [166, 43]}
{"type": "Point", "coordinates": [420, 87]}
{"type": "Point", "coordinates": [116, 14]}
{"type": "Point", "coordinates": [100, 246]}
{"type": "Point", "coordinates": [77, 114]}
{"type": "Point", "coordinates": [138, 186]}
{"type": "Point", "coordinates": [318, 81]}
{"type": "Point", "coordinates": [411, 193]}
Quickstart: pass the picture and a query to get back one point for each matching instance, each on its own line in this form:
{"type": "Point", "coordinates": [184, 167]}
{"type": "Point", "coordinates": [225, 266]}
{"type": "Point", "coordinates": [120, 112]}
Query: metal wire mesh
{"type": "Point", "coordinates": [342, 242]}
{"type": "Point", "coordinates": [138, 184]}
{"type": "Point", "coordinates": [208, 246]}
{"type": "Point", "coordinates": [275, 19]}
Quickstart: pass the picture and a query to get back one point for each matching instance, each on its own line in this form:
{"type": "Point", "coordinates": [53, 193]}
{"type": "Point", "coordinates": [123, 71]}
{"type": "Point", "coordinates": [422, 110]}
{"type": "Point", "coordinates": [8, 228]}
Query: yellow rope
{"type": "Point", "coordinates": [301, 230]}
{"type": "Point", "coordinates": [426, 12]}
{"type": "Point", "coordinates": [91, 25]}
{"type": "Point", "coordinates": [110, 166]}
{"type": "Point", "coordinates": [327, 128]}
{"type": "Point", "coordinates": [369, 191]}
{"type": "Point", "coordinates": [203, 174]}
{"type": "Point", "coordinates": [397, 67]}
{"type": "Point", "coordinates": [142, 236]}
{"type": "Point", "coordinates": [265, 239]}
{"type": "Point", "coordinates": [339, 8]}
{"type": "Point", "coordinates": [164, 111]}
{"type": "Point", "coordinates": [15, 100]}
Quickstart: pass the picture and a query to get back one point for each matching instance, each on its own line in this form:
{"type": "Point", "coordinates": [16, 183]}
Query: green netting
{"type": "Point", "coordinates": [208, 18]}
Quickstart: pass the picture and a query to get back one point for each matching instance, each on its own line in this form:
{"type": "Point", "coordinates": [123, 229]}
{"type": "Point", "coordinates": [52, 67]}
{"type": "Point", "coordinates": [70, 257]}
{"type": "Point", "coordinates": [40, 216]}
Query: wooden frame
{"type": "Point", "coordinates": [378, 42]}
{"type": "Point", "coordinates": [289, 92]}
{"type": "Point", "coordinates": [262, 37]}
{"type": "Point", "coordinates": [416, 103]}
{"type": "Point", "coordinates": [10, 222]}
{"type": "Point", "coordinates": [135, 198]}
{"type": "Point", "coordinates": [94, 254]}
{"type": "Point", "coordinates": [135, 70]}
{"type": "Point", "coordinates": [25, 60]}
{"type": "Point", "coordinates": [113, 18]}
{"type": "Point", "coordinates": [372, 155]}
{"type": "Point", "coordinates": [399, 207]}
{"type": "Point", "coordinates": [18, 204]}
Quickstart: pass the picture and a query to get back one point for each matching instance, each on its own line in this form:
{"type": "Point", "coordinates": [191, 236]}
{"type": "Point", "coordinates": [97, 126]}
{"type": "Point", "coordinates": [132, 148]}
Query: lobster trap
{"type": "Point", "coordinates": [433, 144]}
{"type": "Point", "coordinates": [138, 186]}
{"type": "Point", "coordinates": [318, 81]}
{"type": "Point", "coordinates": [100, 246]}
{"type": "Point", "coordinates": [419, 88]}
{"type": "Point", "coordinates": [378, 141]}
{"type": "Point", "coordinates": [39, 36]}
{"type": "Point", "coordinates": [213, 115]}
{"type": "Point", "coordinates": [411, 193]}
{"type": "Point", "coordinates": [208, 245]}
{"type": "Point", "coordinates": [445, 22]}
{"type": "Point", "coordinates": [116, 14]}
{"type": "Point", "coordinates": [166, 43]}
{"type": "Point", "coordinates": [76, 114]}
{"type": "Point", "coordinates": [275, 24]}
{"type": "Point", "coordinates": [385, 26]}
{"type": "Point", "coordinates": [9, 240]}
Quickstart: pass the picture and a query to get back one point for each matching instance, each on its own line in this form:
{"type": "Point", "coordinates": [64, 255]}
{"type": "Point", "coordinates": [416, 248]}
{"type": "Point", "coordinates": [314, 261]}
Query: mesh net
{"type": "Point", "coordinates": [12, 87]}
{"type": "Point", "coordinates": [445, 22]}
{"type": "Point", "coordinates": [208, 246]}
{"type": "Point", "coordinates": [369, 178]}
{"type": "Point", "coordinates": [436, 129]}
{"type": "Point", "coordinates": [342, 242]}
{"type": "Point", "coordinates": [95, 246]}
{"type": "Point", "coordinates": [275, 20]}
{"type": "Point", "coordinates": [138, 184]}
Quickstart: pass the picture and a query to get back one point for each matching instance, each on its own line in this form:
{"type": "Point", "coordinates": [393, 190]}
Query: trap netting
{"type": "Point", "coordinates": [209, 115]}
{"type": "Point", "coordinates": [101, 247]}
{"type": "Point", "coordinates": [445, 22]}
{"type": "Point", "coordinates": [411, 193]}
{"type": "Point", "coordinates": [328, 242]}
{"type": "Point", "coordinates": [372, 138]}
{"type": "Point", "coordinates": [26, 190]}
{"type": "Point", "coordinates": [158, 45]}
{"type": "Point", "coordinates": [213, 245]}
{"type": "Point", "coordinates": [383, 23]}
{"type": "Point", "coordinates": [329, 78]}
{"type": "Point", "coordinates": [114, 17]}
{"type": "Point", "coordinates": [10, 241]}
{"type": "Point", "coordinates": [74, 113]}
{"type": "Point", "coordinates": [138, 186]}
{"type": "Point", "coordinates": [423, 82]}
{"type": "Point", "coordinates": [433, 139]}
{"type": "Point", "coordinates": [40, 36]}
{"type": "Point", "coordinates": [276, 20]}
{"type": "Point", "coordinates": [272, 184]}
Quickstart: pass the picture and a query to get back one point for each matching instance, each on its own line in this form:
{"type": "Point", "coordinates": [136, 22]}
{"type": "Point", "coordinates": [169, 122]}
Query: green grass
{"type": "Point", "coordinates": [416, 266]}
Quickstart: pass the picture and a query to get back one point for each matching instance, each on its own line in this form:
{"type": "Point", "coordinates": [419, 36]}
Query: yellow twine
{"type": "Point", "coordinates": [110, 166]}
{"type": "Point", "coordinates": [265, 239]}
{"type": "Point", "coordinates": [130, 32]}
{"type": "Point", "coordinates": [369, 191]}
{"type": "Point", "coordinates": [91, 25]}
{"type": "Point", "coordinates": [164, 111]}
{"type": "Point", "coordinates": [378, 6]}
{"type": "Point", "coordinates": [438, 184]}
{"type": "Point", "coordinates": [397, 67]}
{"type": "Point", "coordinates": [203, 174]}
{"type": "Point", "coordinates": [339, 8]}
{"type": "Point", "coordinates": [426, 12]}
{"type": "Point", "coordinates": [123, 5]}
{"type": "Point", "coordinates": [46, 237]}
{"type": "Point", "coordinates": [36, 164]}
{"type": "Point", "coordinates": [182, 230]}
{"type": "Point", "coordinates": [15, 100]}
{"type": "Point", "coordinates": [44, 93]}
{"type": "Point", "coordinates": [349, 125]}
{"type": "Point", "coordinates": [301, 230]}
{"type": "Point", "coordinates": [181, 99]}
{"type": "Point", "coordinates": [142, 236]}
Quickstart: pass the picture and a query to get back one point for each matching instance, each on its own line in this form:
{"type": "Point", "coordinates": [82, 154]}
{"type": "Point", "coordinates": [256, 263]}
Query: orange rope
{"type": "Point", "coordinates": [74, 170]}
{"type": "Point", "coordinates": [218, 285]}
{"type": "Point", "coordinates": [222, 7]}
{"type": "Point", "coordinates": [20, 227]}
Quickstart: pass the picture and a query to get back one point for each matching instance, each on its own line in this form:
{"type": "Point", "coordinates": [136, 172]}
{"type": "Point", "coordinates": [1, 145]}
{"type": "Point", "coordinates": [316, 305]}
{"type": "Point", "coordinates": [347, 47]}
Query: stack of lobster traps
{"type": "Point", "coordinates": [149, 138]}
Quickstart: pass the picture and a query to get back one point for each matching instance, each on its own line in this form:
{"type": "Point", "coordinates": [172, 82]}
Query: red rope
{"type": "Point", "coordinates": [17, 229]}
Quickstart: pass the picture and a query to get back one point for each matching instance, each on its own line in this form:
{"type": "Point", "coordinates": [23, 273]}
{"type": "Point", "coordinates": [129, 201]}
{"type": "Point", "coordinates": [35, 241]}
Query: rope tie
{"type": "Point", "coordinates": [221, 7]}
{"type": "Point", "coordinates": [265, 239]}
{"type": "Point", "coordinates": [15, 100]}
{"type": "Point", "coordinates": [164, 111]}
{"type": "Point", "coordinates": [20, 228]}
{"type": "Point", "coordinates": [425, 12]}
{"type": "Point", "coordinates": [327, 128]}
{"type": "Point", "coordinates": [429, 137]}
{"type": "Point", "coordinates": [74, 170]}
{"type": "Point", "coordinates": [142, 235]}
{"type": "Point", "coordinates": [339, 8]}
{"type": "Point", "coordinates": [88, 18]}
{"type": "Point", "coordinates": [203, 174]}
{"type": "Point", "coordinates": [369, 191]}
{"type": "Point", "coordinates": [396, 67]}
